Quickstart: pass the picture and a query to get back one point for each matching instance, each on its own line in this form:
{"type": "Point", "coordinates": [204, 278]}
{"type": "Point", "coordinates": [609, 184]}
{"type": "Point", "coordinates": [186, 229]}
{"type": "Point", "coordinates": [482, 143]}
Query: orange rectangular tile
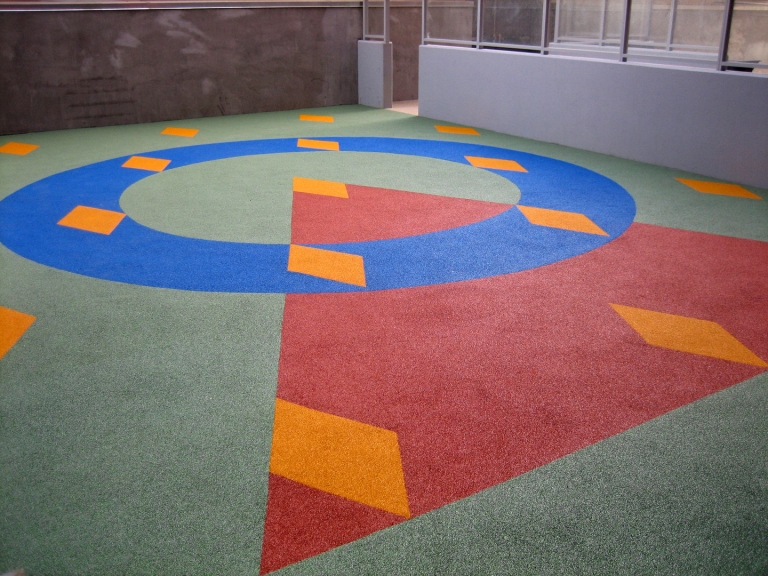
{"type": "Point", "coordinates": [184, 132]}
{"type": "Point", "coordinates": [311, 118]}
{"type": "Point", "coordinates": [457, 130]}
{"type": "Point", "coordinates": [318, 144]}
{"type": "Point", "coordinates": [18, 148]}
{"type": "Point", "coordinates": [564, 220]}
{"type": "Point", "coordinates": [495, 164]}
{"type": "Point", "coordinates": [13, 324]}
{"type": "Point", "coordinates": [339, 456]}
{"type": "Point", "coordinates": [336, 266]}
{"type": "Point", "coordinates": [684, 334]}
{"type": "Point", "coordinates": [92, 219]}
{"type": "Point", "coordinates": [719, 188]}
{"type": "Point", "coordinates": [144, 163]}
{"type": "Point", "coordinates": [322, 187]}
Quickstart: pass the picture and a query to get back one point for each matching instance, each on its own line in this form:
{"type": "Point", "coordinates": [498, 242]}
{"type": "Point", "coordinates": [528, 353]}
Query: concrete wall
{"type": "Point", "coordinates": [97, 68]}
{"type": "Point", "coordinates": [405, 32]}
{"type": "Point", "coordinates": [707, 122]}
{"type": "Point", "coordinates": [405, 35]}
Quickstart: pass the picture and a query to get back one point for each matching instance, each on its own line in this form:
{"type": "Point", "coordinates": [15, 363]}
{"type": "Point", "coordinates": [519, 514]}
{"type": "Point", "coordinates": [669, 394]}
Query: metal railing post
{"type": "Point", "coordinates": [725, 36]}
{"type": "Point", "coordinates": [624, 47]}
{"type": "Point", "coordinates": [479, 30]}
{"type": "Point", "coordinates": [603, 16]}
{"type": "Point", "coordinates": [386, 21]}
{"type": "Point", "coordinates": [544, 25]}
{"type": "Point", "coordinates": [365, 19]}
{"type": "Point", "coordinates": [672, 20]}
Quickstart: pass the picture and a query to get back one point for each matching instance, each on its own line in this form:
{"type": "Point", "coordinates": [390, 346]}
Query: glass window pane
{"type": "Point", "coordinates": [749, 32]}
{"type": "Point", "coordinates": [452, 19]}
{"type": "Point", "coordinates": [590, 22]}
{"type": "Point", "coordinates": [512, 22]}
{"type": "Point", "coordinates": [698, 25]}
{"type": "Point", "coordinates": [677, 25]}
{"type": "Point", "coordinates": [649, 24]}
{"type": "Point", "coordinates": [579, 20]}
{"type": "Point", "coordinates": [614, 16]}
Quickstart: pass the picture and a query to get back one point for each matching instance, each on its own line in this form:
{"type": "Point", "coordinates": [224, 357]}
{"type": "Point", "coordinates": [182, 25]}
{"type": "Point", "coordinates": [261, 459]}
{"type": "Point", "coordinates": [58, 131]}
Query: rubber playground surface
{"type": "Point", "coordinates": [353, 341]}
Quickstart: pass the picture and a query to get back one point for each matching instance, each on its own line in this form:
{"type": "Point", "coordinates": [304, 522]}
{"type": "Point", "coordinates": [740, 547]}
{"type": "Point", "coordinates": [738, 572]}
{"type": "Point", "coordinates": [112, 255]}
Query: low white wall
{"type": "Point", "coordinates": [707, 122]}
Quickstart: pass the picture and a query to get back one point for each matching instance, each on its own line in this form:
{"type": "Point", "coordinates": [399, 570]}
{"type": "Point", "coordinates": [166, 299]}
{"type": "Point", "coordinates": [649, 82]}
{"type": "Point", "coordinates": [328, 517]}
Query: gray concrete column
{"type": "Point", "coordinates": [374, 73]}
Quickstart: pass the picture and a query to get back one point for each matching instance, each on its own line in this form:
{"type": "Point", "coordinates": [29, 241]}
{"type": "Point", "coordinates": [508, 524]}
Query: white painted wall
{"type": "Point", "coordinates": [706, 122]}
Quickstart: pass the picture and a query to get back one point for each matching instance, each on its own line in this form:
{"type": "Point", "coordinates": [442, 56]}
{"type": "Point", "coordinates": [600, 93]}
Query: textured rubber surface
{"type": "Point", "coordinates": [135, 423]}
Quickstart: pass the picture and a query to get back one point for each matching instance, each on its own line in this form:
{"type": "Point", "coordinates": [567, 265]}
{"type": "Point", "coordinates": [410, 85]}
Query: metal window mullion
{"type": "Point", "coordinates": [386, 21]}
{"type": "Point", "coordinates": [624, 46]}
{"type": "Point", "coordinates": [423, 21]}
{"type": "Point", "coordinates": [725, 36]}
{"type": "Point", "coordinates": [479, 30]}
{"type": "Point", "coordinates": [544, 24]}
{"type": "Point", "coordinates": [514, 47]}
{"type": "Point", "coordinates": [672, 20]}
{"type": "Point", "coordinates": [602, 22]}
{"type": "Point", "coordinates": [647, 30]}
{"type": "Point", "coordinates": [448, 41]}
{"type": "Point", "coordinates": [365, 19]}
{"type": "Point", "coordinates": [753, 65]}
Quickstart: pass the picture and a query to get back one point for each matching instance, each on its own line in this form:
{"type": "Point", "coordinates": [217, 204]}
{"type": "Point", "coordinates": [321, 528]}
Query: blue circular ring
{"type": "Point", "coordinates": [135, 254]}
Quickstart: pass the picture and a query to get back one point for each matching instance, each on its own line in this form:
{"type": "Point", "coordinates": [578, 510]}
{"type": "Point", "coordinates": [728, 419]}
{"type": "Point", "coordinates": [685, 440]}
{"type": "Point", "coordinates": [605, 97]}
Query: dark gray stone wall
{"type": "Point", "coordinates": [97, 68]}
{"type": "Point", "coordinates": [405, 35]}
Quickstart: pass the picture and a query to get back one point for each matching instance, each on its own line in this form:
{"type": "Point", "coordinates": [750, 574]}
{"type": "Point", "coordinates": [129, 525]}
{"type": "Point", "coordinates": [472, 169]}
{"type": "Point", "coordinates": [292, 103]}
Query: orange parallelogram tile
{"type": "Point", "coordinates": [336, 266]}
{"type": "Point", "coordinates": [719, 188]}
{"type": "Point", "coordinates": [13, 324]}
{"type": "Point", "coordinates": [184, 132]}
{"type": "Point", "coordinates": [457, 130]}
{"type": "Point", "coordinates": [311, 118]}
{"type": "Point", "coordinates": [318, 144]}
{"type": "Point", "coordinates": [322, 187]}
{"type": "Point", "coordinates": [339, 456]}
{"type": "Point", "coordinates": [144, 163]}
{"type": "Point", "coordinates": [684, 334]}
{"type": "Point", "coordinates": [18, 148]}
{"type": "Point", "coordinates": [92, 219]}
{"type": "Point", "coordinates": [495, 164]}
{"type": "Point", "coordinates": [557, 219]}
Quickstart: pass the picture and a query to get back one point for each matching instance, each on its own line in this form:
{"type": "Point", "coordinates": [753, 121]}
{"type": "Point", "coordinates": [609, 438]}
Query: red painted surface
{"type": "Point", "coordinates": [302, 522]}
{"type": "Point", "coordinates": [488, 379]}
{"type": "Point", "coordinates": [379, 214]}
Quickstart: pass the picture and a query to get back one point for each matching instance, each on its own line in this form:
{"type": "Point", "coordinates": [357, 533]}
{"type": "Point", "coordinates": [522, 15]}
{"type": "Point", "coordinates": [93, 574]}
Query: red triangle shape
{"type": "Point", "coordinates": [303, 522]}
{"type": "Point", "coordinates": [379, 214]}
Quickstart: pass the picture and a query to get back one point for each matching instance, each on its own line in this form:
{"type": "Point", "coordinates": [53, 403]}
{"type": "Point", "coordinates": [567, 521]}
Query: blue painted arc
{"type": "Point", "coordinates": [136, 254]}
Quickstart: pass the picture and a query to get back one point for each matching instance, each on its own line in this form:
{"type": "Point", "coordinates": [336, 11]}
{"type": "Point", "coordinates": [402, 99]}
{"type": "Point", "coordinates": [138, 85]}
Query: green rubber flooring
{"type": "Point", "coordinates": [136, 423]}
